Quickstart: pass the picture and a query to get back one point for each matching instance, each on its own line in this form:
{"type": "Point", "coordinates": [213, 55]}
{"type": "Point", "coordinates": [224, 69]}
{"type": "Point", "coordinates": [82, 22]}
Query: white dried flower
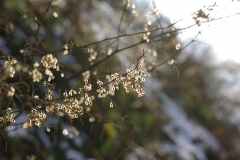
{"type": "Point", "coordinates": [9, 64]}
{"type": "Point", "coordinates": [11, 92]}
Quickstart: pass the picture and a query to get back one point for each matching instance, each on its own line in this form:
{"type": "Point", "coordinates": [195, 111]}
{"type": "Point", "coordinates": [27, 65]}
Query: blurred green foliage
{"type": "Point", "coordinates": [133, 122]}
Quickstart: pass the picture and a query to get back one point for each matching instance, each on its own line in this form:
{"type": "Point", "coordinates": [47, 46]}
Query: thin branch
{"type": "Point", "coordinates": [178, 51]}
{"type": "Point", "coordinates": [41, 20]}
{"type": "Point", "coordinates": [5, 141]}
{"type": "Point", "coordinates": [137, 33]}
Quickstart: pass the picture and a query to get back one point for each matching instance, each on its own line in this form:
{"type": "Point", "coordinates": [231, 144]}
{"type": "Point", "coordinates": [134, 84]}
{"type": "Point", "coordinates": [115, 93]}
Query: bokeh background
{"type": "Point", "coordinates": [190, 110]}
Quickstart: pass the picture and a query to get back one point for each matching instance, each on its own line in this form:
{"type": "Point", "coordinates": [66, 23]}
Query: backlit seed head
{"type": "Point", "coordinates": [111, 104]}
